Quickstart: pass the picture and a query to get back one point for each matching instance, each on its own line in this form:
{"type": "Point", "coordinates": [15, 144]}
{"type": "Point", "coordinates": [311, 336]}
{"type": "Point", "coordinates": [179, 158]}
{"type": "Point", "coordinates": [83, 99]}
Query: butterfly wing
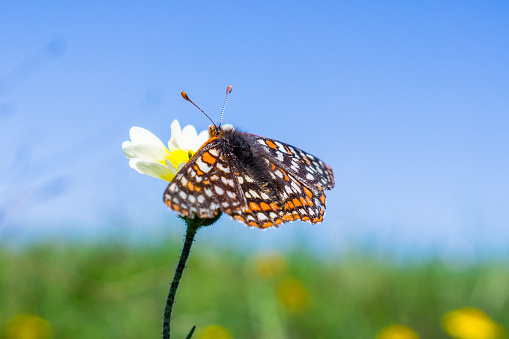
{"type": "Point", "coordinates": [309, 170]}
{"type": "Point", "coordinates": [205, 185]}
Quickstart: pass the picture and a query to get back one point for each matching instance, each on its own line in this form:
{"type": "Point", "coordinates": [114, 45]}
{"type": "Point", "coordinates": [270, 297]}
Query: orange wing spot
{"type": "Point", "coordinates": [286, 176]}
{"type": "Point", "coordinates": [271, 144]}
{"type": "Point", "coordinates": [322, 198]}
{"type": "Point", "coordinates": [175, 207]}
{"type": "Point", "coordinates": [267, 224]}
{"type": "Point", "coordinates": [310, 202]}
{"type": "Point", "coordinates": [308, 192]}
{"type": "Point", "coordinates": [304, 201]}
{"type": "Point", "coordinates": [228, 211]}
{"type": "Point", "coordinates": [289, 205]}
{"type": "Point", "coordinates": [254, 206]}
{"type": "Point", "coordinates": [168, 203]}
{"type": "Point", "coordinates": [297, 202]}
{"type": "Point", "coordinates": [247, 210]}
{"type": "Point", "coordinates": [197, 188]}
{"type": "Point", "coordinates": [317, 219]}
{"type": "Point", "coordinates": [206, 182]}
{"type": "Point", "coordinates": [288, 217]}
{"type": "Point", "coordinates": [264, 206]}
{"type": "Point", "coordinates": [296, 216]}
{"type": "Point", "coordinates": [288, 150]}
{"type": "Point", "coordinates": [240, 218]}
{"type": "Point", "coordinates": [274, 207]}
{"type": "Point", "coordinates": [278, 221]}
{"type": "Point", "coordinates": [305, 218]}
{"type": "Point", "coordinates": [272, 167]}
{"type": "Point", "coordinates": [208, 158]}
{"type": "Point", "coordinates": [322, 211]}
{"type": "Point", "coordinates": [198, 171]}
{"type": "Point", "coordinates": [190, 186]}
{"type": "Point", "coordinates": [252, 223]}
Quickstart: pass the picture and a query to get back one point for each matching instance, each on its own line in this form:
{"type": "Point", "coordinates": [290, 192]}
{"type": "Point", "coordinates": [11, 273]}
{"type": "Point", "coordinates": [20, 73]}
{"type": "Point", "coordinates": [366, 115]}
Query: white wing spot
{"type": "Point", "coordinates": [265, 196]}
{"type": "Point", "coordinates": [219, 190]}
{"type": "Point", "coordinates": [214, 152]}
{"type": "Point", "coordinates": [203, 166]}
{"type": "Point", "coordinates": [192, 199]}
{"type": "Point", "coordinates": [280, 146]}
{"type": "Point", "coordinates": [214, 177]}
{"type": "Point", "coordinates": [223, 168]}
{"type": "Point", "coordinates": [295, 186]}
{"type": "Point", "coordinates": [262, 216]}
{"type": "Point", "coordinates": [201, 199]}
{"type": "Point", "coordinates": [183, 181]}
{"type": "Point", "coordinates": [231, 194]}
{"type": "Point", "coordinates": [248, 178]}
{"type": "Point", "coordinates": [279, 156]}
{"type": "Point", "coordinates": [254, 194]}
{"type": "Point", "coordinates": [240, 180]}
{"type": "Point", "coordinates": [183, 195]}
{"type": "Point", "coordinates": [208, 192]}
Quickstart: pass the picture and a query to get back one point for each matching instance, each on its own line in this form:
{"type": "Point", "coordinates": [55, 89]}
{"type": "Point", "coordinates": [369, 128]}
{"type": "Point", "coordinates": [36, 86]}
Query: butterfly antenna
{"type": "Point", "coordinates": [228, 91]}
{"type": "Point", "coordinates": [184, 95]}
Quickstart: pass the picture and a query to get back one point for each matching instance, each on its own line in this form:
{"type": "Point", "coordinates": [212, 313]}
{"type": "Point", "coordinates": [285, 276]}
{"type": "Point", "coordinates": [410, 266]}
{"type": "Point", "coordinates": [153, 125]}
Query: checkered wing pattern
{"type": "Point", "coordinates": [271, 184]}
{"type": "Point", "coordinates": [306, 168]}
{"type": "Point", "coordinates": [205, 185]}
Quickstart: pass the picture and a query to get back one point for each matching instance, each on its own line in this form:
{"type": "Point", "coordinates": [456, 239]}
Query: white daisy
{"type": "Point", "coordinates": [148, 154]}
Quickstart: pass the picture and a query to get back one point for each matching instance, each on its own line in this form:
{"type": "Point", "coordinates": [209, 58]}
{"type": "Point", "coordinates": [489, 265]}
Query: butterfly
{"type": "Point", "coordinates": [259, 181]}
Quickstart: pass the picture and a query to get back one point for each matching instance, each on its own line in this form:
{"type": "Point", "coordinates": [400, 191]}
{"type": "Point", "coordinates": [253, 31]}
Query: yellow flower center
{"type": "Point", "coordinates": [178, 157]}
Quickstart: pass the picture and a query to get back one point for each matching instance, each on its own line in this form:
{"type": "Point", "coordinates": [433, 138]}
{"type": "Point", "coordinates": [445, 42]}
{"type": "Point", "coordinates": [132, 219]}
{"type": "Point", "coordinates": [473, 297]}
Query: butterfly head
{"type": "Point", "coordinates": [216, 131]}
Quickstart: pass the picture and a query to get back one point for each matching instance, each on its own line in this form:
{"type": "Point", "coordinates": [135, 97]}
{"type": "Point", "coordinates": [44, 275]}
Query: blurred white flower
{"type": "Point", "coordinates": [148, 154]}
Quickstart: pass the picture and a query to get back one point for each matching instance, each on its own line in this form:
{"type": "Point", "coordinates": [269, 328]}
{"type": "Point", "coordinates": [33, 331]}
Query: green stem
{"type": "Point", "coordinates": [192, 227]}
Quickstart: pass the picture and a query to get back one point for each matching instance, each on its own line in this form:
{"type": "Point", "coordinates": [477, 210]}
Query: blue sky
{"type": "Point", "coordinates": [408, 102]}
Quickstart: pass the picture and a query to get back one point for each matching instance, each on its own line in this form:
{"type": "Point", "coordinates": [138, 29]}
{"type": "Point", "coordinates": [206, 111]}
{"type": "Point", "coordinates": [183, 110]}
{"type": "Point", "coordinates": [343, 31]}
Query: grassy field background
{"type": "Point", "coordinates": [112, 290]}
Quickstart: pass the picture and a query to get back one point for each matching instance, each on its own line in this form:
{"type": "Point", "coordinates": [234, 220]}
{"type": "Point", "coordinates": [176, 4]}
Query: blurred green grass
{"type": "Point", "coordinates": [105, 290]}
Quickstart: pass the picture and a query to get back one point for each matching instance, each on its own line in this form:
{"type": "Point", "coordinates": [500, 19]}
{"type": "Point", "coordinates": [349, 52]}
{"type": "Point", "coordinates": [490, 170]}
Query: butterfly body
{"type": "Point", "coordinates": [258, 181]}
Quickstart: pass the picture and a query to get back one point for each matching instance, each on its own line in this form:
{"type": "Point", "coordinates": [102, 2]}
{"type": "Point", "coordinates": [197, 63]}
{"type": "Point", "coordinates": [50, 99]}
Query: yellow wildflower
{"type": "Point", "coordinates": [214, 332]}
{"type": "Point", "coordinates": [27, 326]}
{"type": "Point", "coordinates": [397, 332]}
{"type": "Point", "coordinates": [471, 323]}
{"type": "Point", "coordinates": [293, 295]}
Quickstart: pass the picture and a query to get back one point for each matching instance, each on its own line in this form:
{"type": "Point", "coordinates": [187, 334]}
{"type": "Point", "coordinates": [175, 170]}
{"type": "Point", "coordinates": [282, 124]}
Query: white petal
{"type": "Point", "coordinates": [176, 133]}
{"type": "Point", "coordinates": [202, 138]}
{"type": "Point", "coordinates": [154, 169]}
{"type": "Point", "coordinates": [127, 148]}
{"type": "Point", "coordinates": [188, 139]}
{"type": "Point", "coordinates": [133, 163]}
{"type": "Point", "coordinates": [146, 152]}
{"type": "Point", "coordinates": [143, 136]}
{"type": "Point", "coordinates": [170, 166]}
